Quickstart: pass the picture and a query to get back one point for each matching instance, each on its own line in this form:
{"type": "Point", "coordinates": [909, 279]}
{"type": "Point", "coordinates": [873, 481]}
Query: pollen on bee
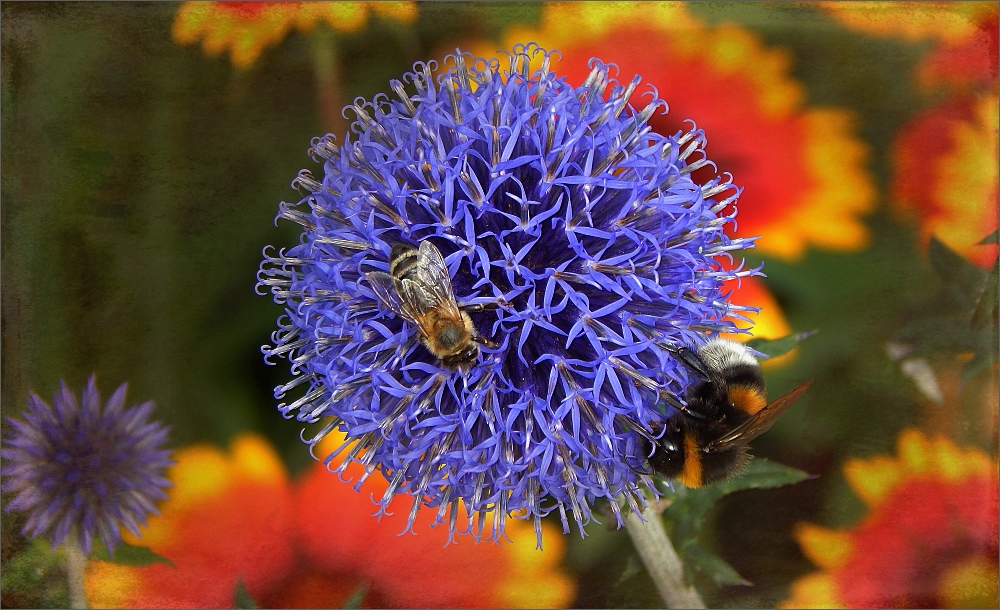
{"type": "Point", "coordinates": [748, 399]}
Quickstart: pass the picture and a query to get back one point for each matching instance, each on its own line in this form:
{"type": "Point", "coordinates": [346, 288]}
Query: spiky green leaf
{"type": "Point", "coordinates": [688, 508]}
{"type": "Point", "coordinates": [779, 347]}
{"type": "Point", "coordinates": [129, 555]}
{"type": "Point", "coordinates": [242, 597]}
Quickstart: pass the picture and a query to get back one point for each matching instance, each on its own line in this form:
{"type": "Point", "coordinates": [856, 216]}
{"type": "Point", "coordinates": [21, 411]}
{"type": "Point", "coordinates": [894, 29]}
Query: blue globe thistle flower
{"type": "Point", "coordinates": [79, 470]}
{"type": "Point", "coordinates": [575, 240]}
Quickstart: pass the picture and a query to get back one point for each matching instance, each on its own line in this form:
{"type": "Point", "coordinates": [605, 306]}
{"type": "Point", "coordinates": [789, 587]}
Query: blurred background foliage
{"type": "Point", "coordinates": [141, 179]}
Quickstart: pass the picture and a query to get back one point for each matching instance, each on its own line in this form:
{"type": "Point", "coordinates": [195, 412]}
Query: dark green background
{"type": "Point", "coordinates": [140, 180]}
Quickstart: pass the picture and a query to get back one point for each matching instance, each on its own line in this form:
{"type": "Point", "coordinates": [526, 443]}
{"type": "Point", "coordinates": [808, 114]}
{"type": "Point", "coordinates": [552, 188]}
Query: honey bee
{"type": "Point", "coordinates": [418, 289]}
{"type": "Point", "coordinates": [707, 440]}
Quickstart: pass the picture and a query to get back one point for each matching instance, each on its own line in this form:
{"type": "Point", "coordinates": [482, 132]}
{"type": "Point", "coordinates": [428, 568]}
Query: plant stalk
{"type": "Point", "coordinates": [326, 69]}
{"type": "Point", "coordinates": [662, 562]}
{"type": "Point", "coordinates": [76, 564]}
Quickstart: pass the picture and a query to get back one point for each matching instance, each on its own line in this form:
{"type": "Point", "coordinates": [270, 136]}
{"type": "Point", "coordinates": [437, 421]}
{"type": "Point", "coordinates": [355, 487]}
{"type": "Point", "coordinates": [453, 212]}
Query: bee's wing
{"type": "Point", "coordinates": [760, 423]}
{"type": "Point", "coordinates": [419, 298]}
{"type": "Point", "coordinates": [385, 288]}
{"type": "Point", "coordinates": [431, 288]}
{"type": "Point", "coordinates": [432, 270]}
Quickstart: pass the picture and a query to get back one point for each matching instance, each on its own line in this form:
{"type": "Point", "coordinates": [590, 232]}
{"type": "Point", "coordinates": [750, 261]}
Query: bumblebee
{"type": "Point", "coordinates": [707, 440]}
{"type": "Point", "coordinates": [418, 289]}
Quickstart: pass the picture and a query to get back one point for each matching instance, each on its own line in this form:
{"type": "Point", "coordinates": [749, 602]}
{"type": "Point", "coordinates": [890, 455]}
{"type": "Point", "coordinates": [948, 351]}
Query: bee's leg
{"type": "Point", "coordinates": [484, 341]}
{"type": "Point", "coordinates": [642, 473]}
{"type": "Point", "coordinates": [674, 402]}
{"type": "Point", "coordinates": [665, 396]}
{"type": "Point", "coordinates": [478, 307]}
{"type": "Point", "coordinates": [689, 358]}
{"type": "Point", "coordinates": [650, 438]}
{"type": "Point", "coordinates": [627, 423]}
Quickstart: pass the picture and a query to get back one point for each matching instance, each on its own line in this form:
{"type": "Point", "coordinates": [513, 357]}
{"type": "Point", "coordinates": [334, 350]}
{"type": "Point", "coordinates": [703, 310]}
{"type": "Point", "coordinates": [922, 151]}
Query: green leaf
{"type": "Point", "coordinates": [357, 596]}
{"type": "Point", "coordinates": [688, 508]}
{"type": "Point", "coordinates": [764, 474]}
{"type": "Point", "coordinates": [699, 561]}
{"type": "Point", "coordinates": [960, 318]}
{"type": "Point", "coordinates": [964, 279]}
{"type": "Point", "coordinates": [992, 238]}
{"type": "Point", "coordinates": [128, 555]}
{"type": "Point", "coordinates": [632, 567]}
{"type": "Point", "coordinates": [981, 361]}
{"type": "Point", "coordinates": [779, 347]}
{"type": "Point", "coordinates": [985, 314]}
{"type": "Point", "coordinates": [35, 577]}
{"type": "Point", "coordinates": [242, 597]}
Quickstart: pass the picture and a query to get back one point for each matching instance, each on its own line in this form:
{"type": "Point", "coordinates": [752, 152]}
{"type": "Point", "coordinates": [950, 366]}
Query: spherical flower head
{"type": "Point", "coordinates": [575, 241]}
{"type": "Point", "coordinates": [80, 470]}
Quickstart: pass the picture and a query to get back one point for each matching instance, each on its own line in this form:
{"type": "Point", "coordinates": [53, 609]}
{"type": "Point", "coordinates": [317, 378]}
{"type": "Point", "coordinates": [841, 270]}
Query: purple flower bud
{"type": "Point", "coordinates": [80, 470]}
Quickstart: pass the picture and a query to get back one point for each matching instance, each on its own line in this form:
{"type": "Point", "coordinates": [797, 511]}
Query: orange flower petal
{"type": "Point", "coordinates": [969, 62]}
{"type": "Point", "coordinates": [970, 584]}
{"type": "Point", "coordinates": [829, 549]}
{"type": "Point", "coordinates": [534, 578]}
{"type": "Point", "coordinates": [873, 479]}
{"type": "Point", "coordinates": [814, 591]}
{"type": "Point", "coordinates": [770, 323]}
{"type": "Point", "coordinates": [946, 172]}
{"type": "Point", "coordinates": [403, 12]}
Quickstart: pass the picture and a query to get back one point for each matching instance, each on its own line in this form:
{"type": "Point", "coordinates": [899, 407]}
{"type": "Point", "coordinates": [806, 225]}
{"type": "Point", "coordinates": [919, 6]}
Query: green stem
{"type": "Point", "coordinates": [662, 562]}
{"type": "Point", "coordinates": [326, 68]}
{"type": "Point", "coordinates": [76, 564]}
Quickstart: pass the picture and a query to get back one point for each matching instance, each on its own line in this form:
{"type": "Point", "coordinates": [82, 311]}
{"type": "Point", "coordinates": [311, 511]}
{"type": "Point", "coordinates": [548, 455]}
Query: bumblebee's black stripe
{"type": "Point", "coordinates": [745, 375]}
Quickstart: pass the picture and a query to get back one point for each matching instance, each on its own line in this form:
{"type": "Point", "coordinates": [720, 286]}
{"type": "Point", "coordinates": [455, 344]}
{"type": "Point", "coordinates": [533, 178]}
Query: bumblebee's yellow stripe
{"type": "Point", "coordinates": [691, 475]}
{"type": "Point", "coordinates": [748, 400]}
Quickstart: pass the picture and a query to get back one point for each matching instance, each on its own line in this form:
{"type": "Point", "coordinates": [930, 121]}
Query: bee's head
{"type": "Point", "coordinates": [666, 453]}
{"type": "Point", "coordinates": [464, 359]}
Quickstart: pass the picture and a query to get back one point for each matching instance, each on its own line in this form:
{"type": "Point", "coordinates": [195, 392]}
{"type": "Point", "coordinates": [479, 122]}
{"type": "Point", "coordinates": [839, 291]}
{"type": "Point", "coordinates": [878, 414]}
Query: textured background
{"type": "Point", "coordinates": [141, 178]}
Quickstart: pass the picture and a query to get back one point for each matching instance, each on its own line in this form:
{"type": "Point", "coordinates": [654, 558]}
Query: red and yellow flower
{"type": "Point", "coordinates": [928, 541]}
{"type": "Point", "coordinates": [245, 29]}
{"type": "Point", "coordinates": [768, 323]}
{"type": "Point", "coordinates": [968, 62]}
{"type": "Point", "coordinates": [228, 517]}
{"type": "Point", "coordinates": [802, 168]}
{"type": "Point", "coordinates": [945, 158]}
{"type": "Point", "coordinates": [946, 174]}
{"type": "Point", "coordinates": [314, 543]}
